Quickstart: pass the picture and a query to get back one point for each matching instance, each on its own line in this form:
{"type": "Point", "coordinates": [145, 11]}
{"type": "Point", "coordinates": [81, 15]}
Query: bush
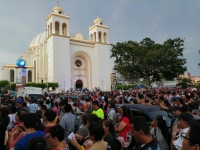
{"type": "Point", "coordinates": [125, 87]}
{"type": "Point", "coordinates": [43, 85]}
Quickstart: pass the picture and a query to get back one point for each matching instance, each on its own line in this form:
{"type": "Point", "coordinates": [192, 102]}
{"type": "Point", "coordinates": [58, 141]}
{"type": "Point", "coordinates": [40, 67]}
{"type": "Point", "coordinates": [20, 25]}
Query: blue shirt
{"type": "Point", "coordinates": [68, 124]}
{"type": "Point", "coordinates": [23, 143]}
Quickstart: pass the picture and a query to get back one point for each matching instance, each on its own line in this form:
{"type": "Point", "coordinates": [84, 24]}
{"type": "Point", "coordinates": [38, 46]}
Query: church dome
{"type": "Point", "coordinates": [58, 9]}
{"type": "Point", "coordinates": [98, 21]}
{"type": "Point", "coordinates": [38, 39]}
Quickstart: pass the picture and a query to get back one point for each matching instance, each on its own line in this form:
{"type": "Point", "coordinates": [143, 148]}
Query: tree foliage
{"type": "Point", "coordinates": [3, 83]}
{"type": "Point", "coordinates": [149, 60]}
{"type": "Point", "coordinates": [185, 83]}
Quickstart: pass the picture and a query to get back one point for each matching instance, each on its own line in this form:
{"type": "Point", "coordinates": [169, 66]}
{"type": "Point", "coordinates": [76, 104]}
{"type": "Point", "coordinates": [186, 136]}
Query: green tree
{"type": "Point", "coordinates": [184, 83]}
{"type": "Point", "coordinates": [149, 60]}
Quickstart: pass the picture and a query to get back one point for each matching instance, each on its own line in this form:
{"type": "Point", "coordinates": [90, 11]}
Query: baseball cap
{"type": "Point", "coordinates": [185, 117]}
{"type": "Point", "coordinates": [19, 100]}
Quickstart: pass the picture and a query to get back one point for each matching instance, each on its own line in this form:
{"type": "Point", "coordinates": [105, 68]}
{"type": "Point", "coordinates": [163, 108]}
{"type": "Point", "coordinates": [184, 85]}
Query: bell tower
{"type": "Point", "coordinates": [98, 33]}
{"type": "Point", "coordinates": [58, 46]}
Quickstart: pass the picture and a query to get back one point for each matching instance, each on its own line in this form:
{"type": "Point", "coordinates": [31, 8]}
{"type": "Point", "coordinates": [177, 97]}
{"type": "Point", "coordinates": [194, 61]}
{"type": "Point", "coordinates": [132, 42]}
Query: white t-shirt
{"type": "Point", "coordinates": [12, 119]}
{"type": "Point", "coordinates": [178, 143]}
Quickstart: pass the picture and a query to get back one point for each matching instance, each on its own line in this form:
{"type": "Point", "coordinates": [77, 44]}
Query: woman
{"type": "Point", "coordinates": [56, 108]}
{"type": "Point", "coordinates": [18, 132]}
{"type": "Point", "coordinates": [159, 131]}
{"type": "Point", "coordinates": [4, 121]}
{"type": "Point", "coordinates": [108, 131]}
{"type": "Point", "coordinates": [83, 129]}
{"type": "Point", "coordinates": [49, 119]}
{"type": "Point", "coordinates": [124, 127]}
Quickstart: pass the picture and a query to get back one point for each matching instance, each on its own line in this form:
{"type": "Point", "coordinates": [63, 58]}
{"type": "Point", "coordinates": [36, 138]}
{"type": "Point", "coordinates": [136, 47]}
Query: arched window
{"type": "Point", "coordinates": [29, 76]}
{"type": "Point", "coordinates": [50, 32]}
{"type": "Point", "coordinates": [57, 27]}
{"type": "Point", "coordinates": [91, 37]}
{"type": "Point", "coordinates": [12, 75]}
{"type": "Point", "coordinates": [105, 37]}
{"type": "Point", "coordinates": [64, 29]}
{"type": "Point", "coordinates": [94, 36]}
{"type": "Point", "coordinates": [100, 40]}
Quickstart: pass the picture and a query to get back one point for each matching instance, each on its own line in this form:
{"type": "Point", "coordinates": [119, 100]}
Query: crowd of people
{"type": "Point", "coordinates": [52, 122]}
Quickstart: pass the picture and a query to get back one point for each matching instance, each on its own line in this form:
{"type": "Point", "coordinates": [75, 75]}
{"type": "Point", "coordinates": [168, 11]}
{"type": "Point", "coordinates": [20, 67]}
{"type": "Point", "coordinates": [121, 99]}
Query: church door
{"type": "Point", "coordinates": [79, 84]}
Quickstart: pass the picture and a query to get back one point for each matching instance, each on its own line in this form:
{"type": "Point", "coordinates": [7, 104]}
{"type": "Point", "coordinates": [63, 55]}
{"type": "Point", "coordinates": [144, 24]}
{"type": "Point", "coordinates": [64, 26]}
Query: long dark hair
{"type": "Point", "coordinates": [126, 112]}
{"type": "Point", "coordinates": [161, 124]}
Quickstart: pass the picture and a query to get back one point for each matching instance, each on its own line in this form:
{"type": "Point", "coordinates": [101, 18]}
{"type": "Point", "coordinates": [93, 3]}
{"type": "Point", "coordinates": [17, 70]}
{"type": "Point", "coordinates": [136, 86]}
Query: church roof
{"type": "Point", "coordinates": [38, 39]}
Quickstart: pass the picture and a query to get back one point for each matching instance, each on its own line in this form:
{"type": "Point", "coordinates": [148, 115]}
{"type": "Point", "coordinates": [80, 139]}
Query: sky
{"type": "Point", "coordinates": [22, 20]}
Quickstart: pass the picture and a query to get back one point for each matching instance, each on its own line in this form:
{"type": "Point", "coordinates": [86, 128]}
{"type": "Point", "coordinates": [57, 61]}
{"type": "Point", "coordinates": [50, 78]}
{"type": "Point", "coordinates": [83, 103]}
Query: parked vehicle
{"type": "Point", "coordinates": [149, 112]}
{"type": "Point", "coordinates": [34, 92]}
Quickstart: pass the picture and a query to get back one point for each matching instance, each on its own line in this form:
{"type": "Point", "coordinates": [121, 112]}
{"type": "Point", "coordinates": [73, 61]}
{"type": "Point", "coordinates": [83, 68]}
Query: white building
{"type": "Point", "coordinates": [56, 56]}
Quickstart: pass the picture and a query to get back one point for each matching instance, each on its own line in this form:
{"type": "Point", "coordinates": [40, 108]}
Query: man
{"type": "Point", "coordinates": [192, 139]}
{"type": "Point", "coordinates": [180, 129]}
{"type": "Point", "coordinates": [30, 122]}
{"type": "Point", "coordinates": [33, 107]}
{"type": "Point", "coordinates": [176, 112]}
{"type": "Point", "coordinates": [141, 133]}
{"type": "Point", "coordinates": [97, 110]}
{"type": "Point", "coordinates": [111, 114]}
{"type": "Point", "coordinates": [68, 121]}
{"type": "Point", "coordinates": [18, 104]}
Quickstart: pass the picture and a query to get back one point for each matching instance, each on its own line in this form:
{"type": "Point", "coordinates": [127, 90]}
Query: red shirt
{"type": "Point", "coordinates": [126, 129]}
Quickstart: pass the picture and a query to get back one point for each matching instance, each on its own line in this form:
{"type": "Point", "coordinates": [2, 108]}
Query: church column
{"type": "Point", "coordinates": [97, 37]}
{"type": "Point", "coordinates": [60, 29]}
{"type": "Point", "coordinates": [53, 27]}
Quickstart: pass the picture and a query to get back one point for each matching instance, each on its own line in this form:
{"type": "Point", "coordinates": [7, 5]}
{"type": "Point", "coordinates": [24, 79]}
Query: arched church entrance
{"type": "Point", "coordinates": [79, 84]}
{"type": "Point", "coordinates": [81, 70]}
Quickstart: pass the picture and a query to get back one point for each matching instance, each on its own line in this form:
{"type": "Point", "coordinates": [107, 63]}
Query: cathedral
{"type": "Point", "coordinates": [72, 61]}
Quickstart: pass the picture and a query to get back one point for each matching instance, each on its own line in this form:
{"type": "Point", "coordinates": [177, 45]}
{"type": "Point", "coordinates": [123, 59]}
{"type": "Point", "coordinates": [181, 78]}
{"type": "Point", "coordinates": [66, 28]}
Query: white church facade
{"type": "Point", "coordinates": [72, 61]}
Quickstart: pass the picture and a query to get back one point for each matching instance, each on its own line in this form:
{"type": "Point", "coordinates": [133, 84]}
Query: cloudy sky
{"type": "Point", "coordinates": [159, 20]}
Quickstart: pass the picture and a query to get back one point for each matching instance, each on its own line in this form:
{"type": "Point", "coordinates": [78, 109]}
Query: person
{"type": "Point", "coordinates": [124, 127]}
{"type": "Point", "coordinates": [68, 121]}
{"type": "Point", "coordinates": [18, 131]}
{"type": "Point", "coordinates": [111, 114]}
{"type": "Point", "coordinates": [160, 132]}
{"type": "Point", "coordinates": [114, 144]}
{"type": "Point", "coordinates": [180, 129]}
{"type": "Point", "coordinates": [96, 134]}
{"type": "Point", "coordinates": [192, 138]}
{"type": "Point", "coordinates": [12, 117]}
{"type": "Point", "coordinates": [4, 121]}
{"type": "Point", "coordinates": [33, 107]}
{"type": "Point", "coordinates": [18, 103]}
{"type": "Point", "coordinates": [97, 110]}
{"type": "Point", "coordinates": [55, 108]}
{"type": "Point", "coordinates": [30, 125]}
{"type": "Point", "coordinates": [49, 119]}
{"type": "Point", "coordinates": [37, 143]}
{"type": "Point", "coordinates": [83, 129]}
{"type": "Point", "coordinates": [86, 105]}
{"type": "Point", "coordinates": [108, 131]}
{"type": "Point", "coordinates": [56, 137]}
{"type": "Point", "coordinates": [141, 133]}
